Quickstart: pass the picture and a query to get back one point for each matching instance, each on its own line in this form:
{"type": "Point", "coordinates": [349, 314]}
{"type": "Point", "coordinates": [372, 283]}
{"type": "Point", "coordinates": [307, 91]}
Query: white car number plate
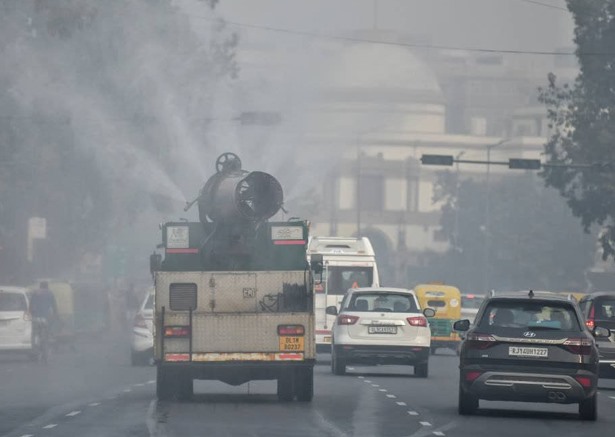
{"type": "Point", "coordinates": [532, 352]}
{"type": "Point", "coordinates": [382, 329]}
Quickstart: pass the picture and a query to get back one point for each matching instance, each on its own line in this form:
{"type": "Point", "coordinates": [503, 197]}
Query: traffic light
{"type": "Point", "coordinates": [437, 160]}
{"type": "Point", "coordinates": [524, 164]}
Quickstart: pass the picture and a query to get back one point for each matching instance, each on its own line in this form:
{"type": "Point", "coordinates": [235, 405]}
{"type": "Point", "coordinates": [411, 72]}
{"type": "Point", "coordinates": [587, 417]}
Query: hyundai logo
{"type": "Point", "coordinates": [529, 334]}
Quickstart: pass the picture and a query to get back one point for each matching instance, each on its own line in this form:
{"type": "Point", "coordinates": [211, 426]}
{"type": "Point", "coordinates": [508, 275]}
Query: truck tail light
{"type": "Point", "coordinates": [177, 331]}
{"type": "Point", "coordinates": [479, 341]}
{"type": "Point", "coordinates": [291, 330]}
{"type": "Point", "coordinates": [417, 321]}
{"type": "Point", "coordinates": [346, 319]}
{"type": "Point", "coordinates": [579, 346]}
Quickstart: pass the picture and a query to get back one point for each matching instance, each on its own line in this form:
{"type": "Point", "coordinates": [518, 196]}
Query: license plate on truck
{"type": "Point", "coordinates": [291, 344]}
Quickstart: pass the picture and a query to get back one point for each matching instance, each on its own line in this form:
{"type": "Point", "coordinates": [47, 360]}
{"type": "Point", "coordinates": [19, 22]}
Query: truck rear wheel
{"type": "Point", "coordinates": [164, 385]}
{"type": "Point", "coordinates": [304, 384]}
{"type": "Point", "coordinates": [286, 389]}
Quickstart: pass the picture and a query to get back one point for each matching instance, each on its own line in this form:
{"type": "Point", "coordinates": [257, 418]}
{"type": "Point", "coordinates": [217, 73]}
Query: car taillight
{"type": "Point", "coordinates": [346, 319]}
{"type": "Point", "coordinates": [177, 331]}
{"type": "Point", "coordinates": [472, 376]}
{"type": "Point", "coordinates": [585, 381]}
{"type": "Point", "coordinates": [291, 330]}
{"type": "Point", "coordinates": [590, 323]}
{"type": "Point", "coordinates": [417, 321]}
{"type": "Point", "coordinates": [479, 341]}
{"type": "Point", "coordinates": [140, 321]}
{"type": "Point", "coordinates": [579, 346]}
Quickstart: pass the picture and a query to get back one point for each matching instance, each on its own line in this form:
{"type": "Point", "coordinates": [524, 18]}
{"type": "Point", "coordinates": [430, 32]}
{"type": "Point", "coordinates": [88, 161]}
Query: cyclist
{"type": "Point", "coordinates": [44, 311]}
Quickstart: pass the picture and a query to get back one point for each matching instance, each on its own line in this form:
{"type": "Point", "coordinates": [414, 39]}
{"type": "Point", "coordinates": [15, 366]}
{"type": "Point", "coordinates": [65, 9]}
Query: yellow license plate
{"type": "Point", "coordinates": [291, 344]}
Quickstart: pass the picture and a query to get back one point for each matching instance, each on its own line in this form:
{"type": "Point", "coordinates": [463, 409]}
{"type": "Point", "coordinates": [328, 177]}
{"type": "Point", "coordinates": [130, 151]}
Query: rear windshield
{"type": "Point", "coordinates": [381, 302]}
{"type": "Point", "coordinates": [13, 302]}
{"type": "Point", "coordinates": [530, 315]}
{"type": "Point", "coordinates": [604, 309]}
{"type": "Point", "coordinates": [471, 302]}
{"type": "Point", "coordinates": [149, 303]}
{"type": "Point", "coordinates": [341, 278]}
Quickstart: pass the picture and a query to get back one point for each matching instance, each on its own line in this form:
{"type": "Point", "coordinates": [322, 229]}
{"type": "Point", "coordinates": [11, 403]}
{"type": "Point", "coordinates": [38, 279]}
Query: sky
{"type": "Point", "coordinates": [541, 25]}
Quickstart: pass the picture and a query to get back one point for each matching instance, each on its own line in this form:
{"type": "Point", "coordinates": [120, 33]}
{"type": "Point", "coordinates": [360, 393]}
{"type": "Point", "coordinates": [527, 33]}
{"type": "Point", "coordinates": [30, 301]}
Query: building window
{"type": "Point", "coordinates": [371, 192]}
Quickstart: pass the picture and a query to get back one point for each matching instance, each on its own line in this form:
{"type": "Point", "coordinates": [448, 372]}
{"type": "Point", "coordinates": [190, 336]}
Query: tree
{"type": "Point", "coordinates": [535, 241]}
{"type": "Point", "coordinates": [101, 111]}
{"type": "Point", "coordinates": [581, 116]}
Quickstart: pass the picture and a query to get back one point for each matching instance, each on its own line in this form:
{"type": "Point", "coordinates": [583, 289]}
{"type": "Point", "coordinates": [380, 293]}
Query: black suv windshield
{"type": "Point", "coordinates": [530, 315]}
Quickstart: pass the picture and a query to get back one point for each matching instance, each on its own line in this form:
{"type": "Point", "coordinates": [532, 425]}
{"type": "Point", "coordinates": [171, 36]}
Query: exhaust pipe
{"type": "Point", "coordinates": [556, 396]}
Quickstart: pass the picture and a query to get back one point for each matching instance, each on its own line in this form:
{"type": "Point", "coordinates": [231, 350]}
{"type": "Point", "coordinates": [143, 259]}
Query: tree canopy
{"type": "Point", "coordinates": [581, 117]}
{"type": "Point", "coordinates": [535, 242]}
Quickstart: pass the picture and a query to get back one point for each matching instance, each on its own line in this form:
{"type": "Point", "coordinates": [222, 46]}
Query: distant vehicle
{"type": "Point", "coordinates": [349, 263]}
{"type": "Point", "coordinates": [470, 303]}
{"type": "Point", "coordinates": [142, 338]}
{"type": "Point", "coordinates": [446, 301]}
{"type": "Point", "coordinates": [599, 310]}
{"type": "Point", "coordinates": [15, 321]}
{"type": "Point", "coordinates": [380, 326]}
{"type": "Point", "coordinates": [529, 347]}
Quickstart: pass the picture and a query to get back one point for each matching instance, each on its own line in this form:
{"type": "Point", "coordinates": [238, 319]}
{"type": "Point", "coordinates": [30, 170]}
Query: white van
{"type": "Point", "coordinates": [348, 263]}
{"type": "Point", "coordinates": [15, 320]}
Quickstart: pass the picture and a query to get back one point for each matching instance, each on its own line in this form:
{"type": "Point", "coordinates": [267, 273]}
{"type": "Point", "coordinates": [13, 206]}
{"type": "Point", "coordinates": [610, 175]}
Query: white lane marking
{"type": "Point", "coordinates": [94, 404]}
{"type": "Point", "coordinates": [51, 425]}
{"type": "Point", "coordinates": [612, 397]}
{"type": "Point", "coordinates": [361, 377]}
{"type": "Point", "coordinates": [139, 385]}
{"type": "Point", "coordinates": [27, 435]}
{"type": "Point", "coordinates": [401, 404]}
{"type": "Point", "coordinates": [382, 389]}
{"type": "Point", "coordinates": [368, 381]}
{"type": "Point", "coordinates": [350, 368]}
{"type": "Point", "coordinates": [440, 433]}
{"type": "Point", "coordinates": [328, 426]}
{"type": "Point", "coordinates": [391, 396]}
{"type": "Point", "coordinates": [127, 390]}
{"type": "Point", "coordinates": [73, 413]}
{"type": "Point", "coordinates": [425, 423]}
{"type": "Point", "coordinates": [413, 413]}
{"type": "Point", "coordinates": [375, 385]}
{"type": "Point", "coordinates": [151, 381]}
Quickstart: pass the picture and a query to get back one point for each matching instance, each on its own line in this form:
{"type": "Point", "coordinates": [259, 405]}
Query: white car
{"type": "Point", "coordinates": [15, 320]}
{"type": "Point", "coordinates": [380, 326]}
{"type": "Point", "coordinates": [142, 339]}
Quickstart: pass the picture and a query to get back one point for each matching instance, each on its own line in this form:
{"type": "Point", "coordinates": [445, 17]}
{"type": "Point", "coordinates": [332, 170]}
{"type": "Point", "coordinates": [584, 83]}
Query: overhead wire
{"type": "Point", "coordinates": [399, 43]}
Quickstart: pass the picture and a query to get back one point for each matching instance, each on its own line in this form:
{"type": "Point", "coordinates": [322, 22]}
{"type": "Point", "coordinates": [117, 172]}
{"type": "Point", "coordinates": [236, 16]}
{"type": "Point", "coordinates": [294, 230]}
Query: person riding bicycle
{"type": "Point", "coordinates": [43, 308]}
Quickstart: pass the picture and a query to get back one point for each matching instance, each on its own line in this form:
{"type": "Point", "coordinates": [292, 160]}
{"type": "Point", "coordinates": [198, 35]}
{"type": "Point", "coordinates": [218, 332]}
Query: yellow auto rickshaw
{"type": "Point", "coordinates": [446, 301]}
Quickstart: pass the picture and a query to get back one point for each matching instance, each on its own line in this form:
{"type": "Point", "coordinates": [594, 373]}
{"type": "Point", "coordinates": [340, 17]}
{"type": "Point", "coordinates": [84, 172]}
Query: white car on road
{"type": "Point", "coordinates": [380, 326]}
{"type": "Point", "coordinates": [142, 339]}
{"type": "Point", "coordinates": [15, 320]}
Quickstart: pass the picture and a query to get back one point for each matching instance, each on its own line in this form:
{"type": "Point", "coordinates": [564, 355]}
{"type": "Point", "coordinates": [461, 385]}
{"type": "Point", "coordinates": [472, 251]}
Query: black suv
{"type": "Point", "coordinates": [599, 310]}
{"type": "Point", "coordinates": [529, 347]}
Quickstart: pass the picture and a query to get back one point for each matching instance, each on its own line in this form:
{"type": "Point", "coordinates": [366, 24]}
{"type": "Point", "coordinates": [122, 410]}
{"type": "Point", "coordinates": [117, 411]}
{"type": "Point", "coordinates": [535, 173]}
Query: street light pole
{"type": "Point", "coordinates": [487, 260]}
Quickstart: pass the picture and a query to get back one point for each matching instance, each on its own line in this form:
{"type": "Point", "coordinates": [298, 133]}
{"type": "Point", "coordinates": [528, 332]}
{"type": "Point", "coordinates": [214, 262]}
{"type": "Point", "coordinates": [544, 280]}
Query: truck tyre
{"type": "Point", "coordinates": [588, 408]}
{"type": "Point", "coordinates": [185, 388]}
{"type": "Point", "coordinates": [338, 365]}
{"type": "Point", "coordinates": [422, 369]}
{"type": "Point", "coordinates": [286, 390]}
{"type": "Point", "coordinates": [164, 385]}
{"type": "Point", "coordinates": [468, 403]}
{"type": "Point", "coordinates": [304, 384]}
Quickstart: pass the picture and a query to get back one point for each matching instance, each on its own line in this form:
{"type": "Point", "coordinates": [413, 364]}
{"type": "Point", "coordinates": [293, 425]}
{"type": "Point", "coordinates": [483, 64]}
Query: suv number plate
{"type": "Point", "coordinates": [532, 352]}
{"type": "Point", "coordinates": [382, 329]}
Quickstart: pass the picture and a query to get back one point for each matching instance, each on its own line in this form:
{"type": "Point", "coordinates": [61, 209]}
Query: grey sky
{"type": "Point", "coordinates": [499, 24]}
